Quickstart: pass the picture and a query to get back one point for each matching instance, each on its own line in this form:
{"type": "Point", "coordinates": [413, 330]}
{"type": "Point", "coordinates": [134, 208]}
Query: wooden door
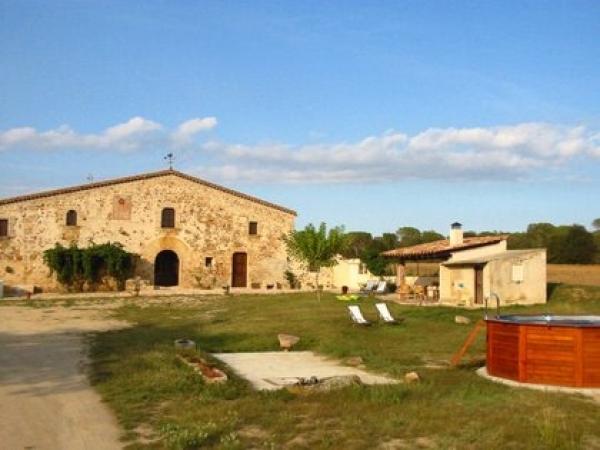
{"type": "Point", "coordinates": [166, 269]}
{"type": "Point", "coordinates": [478, 285]}
{"type": "Point", "coordinates": [239, 270]}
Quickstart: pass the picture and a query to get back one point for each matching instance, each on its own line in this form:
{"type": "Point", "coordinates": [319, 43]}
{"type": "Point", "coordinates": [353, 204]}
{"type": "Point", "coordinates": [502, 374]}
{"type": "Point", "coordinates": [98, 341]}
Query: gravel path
{"type": "Point", "coordinates": [46, 401]}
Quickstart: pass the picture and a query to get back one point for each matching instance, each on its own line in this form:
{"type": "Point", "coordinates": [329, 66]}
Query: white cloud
{"type": "Point", "coordinates": [188, 129]}
{"type": "Point", "coordinates": [525, 150]}
{"type": "Point", "coordinates": [135, 134]}
{"type": "Point", "coordinates": [517, 151]}
{"type": "Point", "coordinates": [133, 127]}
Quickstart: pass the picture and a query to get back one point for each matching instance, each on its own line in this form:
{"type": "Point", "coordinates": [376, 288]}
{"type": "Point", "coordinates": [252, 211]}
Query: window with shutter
{"type": "Point", "coordinates": [253, 228]}
{"type": "Point", "coordinates": [71, 219]}
{"type": "Point", "coordinates": [3, 227]}
{"type": "Point", "coordinates": [168, 218]}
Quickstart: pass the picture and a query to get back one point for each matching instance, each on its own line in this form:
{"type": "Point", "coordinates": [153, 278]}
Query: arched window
{"type": "Point", "coordinates": [71, 218]}
{"type": "Point", "coordinates": [167, 219]}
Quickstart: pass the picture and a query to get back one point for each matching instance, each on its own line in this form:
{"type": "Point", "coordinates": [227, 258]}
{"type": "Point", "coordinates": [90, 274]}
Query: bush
{"type": "Point", "coordinates": [292, 279]}
{"type": "Point", "coordinates": [75, 266]}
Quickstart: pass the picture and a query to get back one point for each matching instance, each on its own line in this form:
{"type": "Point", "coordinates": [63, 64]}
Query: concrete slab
{"type": "Point", "coordinates": [275, 370]}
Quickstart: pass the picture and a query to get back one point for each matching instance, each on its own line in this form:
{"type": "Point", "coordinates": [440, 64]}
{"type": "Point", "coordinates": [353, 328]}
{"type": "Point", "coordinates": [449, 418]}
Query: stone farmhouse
{"type": "Point", "coordinates": [186, 231]}
{"type": "Point", "coordinates": [473, 268]}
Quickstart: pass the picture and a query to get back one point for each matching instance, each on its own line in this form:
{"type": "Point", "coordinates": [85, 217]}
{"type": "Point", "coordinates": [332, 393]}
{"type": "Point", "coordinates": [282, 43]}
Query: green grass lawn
{"type": "Point", "coordinates": [162, 404]}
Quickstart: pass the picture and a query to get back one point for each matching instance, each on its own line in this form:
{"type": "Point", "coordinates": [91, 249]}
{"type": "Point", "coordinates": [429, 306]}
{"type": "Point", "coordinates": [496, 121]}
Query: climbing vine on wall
{"type": "Point", "coordinates": [74, 266]}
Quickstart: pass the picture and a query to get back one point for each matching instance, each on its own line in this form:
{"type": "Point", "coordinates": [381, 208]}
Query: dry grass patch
{"type": "Point", "coordinates": [588, 275]}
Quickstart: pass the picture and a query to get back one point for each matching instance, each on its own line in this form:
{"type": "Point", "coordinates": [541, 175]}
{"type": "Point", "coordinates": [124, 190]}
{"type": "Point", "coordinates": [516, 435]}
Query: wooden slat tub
{"type": "Point", "coordinates": [556, 350]}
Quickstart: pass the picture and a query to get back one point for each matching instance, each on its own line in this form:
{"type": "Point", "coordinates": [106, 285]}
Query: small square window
{"type": "Point", "coordinates": [253, 228]}
{"type": "Point", "coordinates": [3, 227]}
{"type": "Point", "coordinates": [517, 273]}
{"type": "Point", "coordinates": [208, 262]}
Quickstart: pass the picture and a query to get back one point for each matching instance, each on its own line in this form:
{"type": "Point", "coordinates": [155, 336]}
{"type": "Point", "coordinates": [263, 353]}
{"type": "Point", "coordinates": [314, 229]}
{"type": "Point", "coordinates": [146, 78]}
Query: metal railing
{"type": "Point", "coordinates": [497, 297]}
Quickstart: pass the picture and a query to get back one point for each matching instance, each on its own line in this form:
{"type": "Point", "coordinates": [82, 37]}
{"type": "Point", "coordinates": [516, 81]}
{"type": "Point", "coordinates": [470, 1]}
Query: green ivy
{"type": "Point", "coordinates": [74, 266]}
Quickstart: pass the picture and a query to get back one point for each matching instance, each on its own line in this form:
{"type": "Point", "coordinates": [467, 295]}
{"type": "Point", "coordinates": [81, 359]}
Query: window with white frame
{"type": "Point", "coordinates": [517, 273]}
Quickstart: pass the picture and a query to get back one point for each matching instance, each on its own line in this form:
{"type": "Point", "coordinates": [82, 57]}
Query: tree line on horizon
{"type": "Point", "coordinates": [565, 244]}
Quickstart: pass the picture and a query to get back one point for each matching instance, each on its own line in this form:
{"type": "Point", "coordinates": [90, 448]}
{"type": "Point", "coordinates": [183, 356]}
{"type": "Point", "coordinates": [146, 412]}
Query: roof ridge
{"type": "Point", "coordinates": [140, 177]}
{"type": "Point", "coordinates": [442, 246]}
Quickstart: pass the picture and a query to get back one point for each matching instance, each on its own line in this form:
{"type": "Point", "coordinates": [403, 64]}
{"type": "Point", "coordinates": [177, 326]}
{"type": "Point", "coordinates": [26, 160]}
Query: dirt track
{"type": "Point", "coordinates": [46, 401]}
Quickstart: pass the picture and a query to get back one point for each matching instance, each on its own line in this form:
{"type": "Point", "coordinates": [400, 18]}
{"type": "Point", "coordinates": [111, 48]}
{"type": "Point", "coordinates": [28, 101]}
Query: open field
{"type": "Point", "coordinates": [574, 274]}
{"type": "Point", "coordinates": [161, 404]}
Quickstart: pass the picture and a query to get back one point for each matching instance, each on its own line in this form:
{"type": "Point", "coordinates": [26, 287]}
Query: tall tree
{"type": "Point", "coordinates": [356, 243]}
{"type": "Point", "coordinates": [540, 234]}
{"type": "Point", "coordinates": [578, 246]}
{"type": "Point", "coordinates": [597, 244]}
{"type": "Point", "coordinates": [518, 241]}
{"type": "Point", "coordinates": [376, 263]}
{"type": "Point", "coordinates": [430, 236]}
{"type": "Point", "coordinates": [316, 247]}
{"type": "Point", "coordinates": [557, 249]}
{"type": "Point", "coordinates": [408, 236]}
{"type": "Point", "coordinates": [389, 241]}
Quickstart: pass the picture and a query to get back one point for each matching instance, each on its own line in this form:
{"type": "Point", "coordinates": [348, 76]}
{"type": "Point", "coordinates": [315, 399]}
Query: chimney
{"type": "Point", "coordinates": [456, 234]}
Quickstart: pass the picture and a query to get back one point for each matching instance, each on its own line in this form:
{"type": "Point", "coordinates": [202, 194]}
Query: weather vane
{"type": "Point", "coordinates": [169, 157]}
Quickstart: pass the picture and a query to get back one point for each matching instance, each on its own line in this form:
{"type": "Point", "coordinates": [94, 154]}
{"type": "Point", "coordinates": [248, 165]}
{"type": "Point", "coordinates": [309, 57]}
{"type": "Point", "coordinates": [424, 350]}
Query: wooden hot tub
{"type": "Point", "coordinates": [557, 350]}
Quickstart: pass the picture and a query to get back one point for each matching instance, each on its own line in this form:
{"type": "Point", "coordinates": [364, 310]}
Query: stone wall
{"type": "Point", "coordinates": [457, 283]}
{"type": "Point", "coordinates": [209, 223]}
{"type": "Point", "coordinates": [531, 289]}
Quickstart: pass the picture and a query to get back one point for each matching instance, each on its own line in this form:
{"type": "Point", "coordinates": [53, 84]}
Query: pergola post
{"type": "Point", "coordinates": [400, 273]}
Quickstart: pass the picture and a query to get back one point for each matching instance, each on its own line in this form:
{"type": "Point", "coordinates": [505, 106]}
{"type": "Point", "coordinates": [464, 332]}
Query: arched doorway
{"type": "Point", "coordinates": [239, 269]}
{"type": "Point", "coordinates": [166, 269]}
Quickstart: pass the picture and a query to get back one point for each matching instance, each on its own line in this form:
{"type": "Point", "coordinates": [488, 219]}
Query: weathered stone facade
{"type": "Point", "coordinates": [211, 224]}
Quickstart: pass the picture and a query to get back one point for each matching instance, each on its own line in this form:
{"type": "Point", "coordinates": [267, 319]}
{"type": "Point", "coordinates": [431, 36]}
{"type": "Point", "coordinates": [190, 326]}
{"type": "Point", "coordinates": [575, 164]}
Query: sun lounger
{"type": "Point", "coordinates": [385, 315]}
{"type": "Point", "coordinates": [357, 316]}
{"type": "Point", "coordinates": [369, 288]}
{"type": "Point", "coordinates": [381, 287]}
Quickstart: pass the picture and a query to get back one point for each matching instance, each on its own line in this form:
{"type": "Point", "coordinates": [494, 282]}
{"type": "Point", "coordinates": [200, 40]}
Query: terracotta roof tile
{"type": "Point", "coordinates": [442, 247]}
{"type": "Point", "coordinates": [144, 176]}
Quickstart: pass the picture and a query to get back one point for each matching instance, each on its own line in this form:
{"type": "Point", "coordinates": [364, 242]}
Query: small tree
{"type": "Point", "coordinates": [316, 247]}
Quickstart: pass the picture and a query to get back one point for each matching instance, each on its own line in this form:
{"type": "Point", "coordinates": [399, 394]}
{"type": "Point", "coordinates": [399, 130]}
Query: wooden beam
{"type": "Point", "coordinates": [468, 342]}
{"type": "Point", "coordinates": [400, 274]}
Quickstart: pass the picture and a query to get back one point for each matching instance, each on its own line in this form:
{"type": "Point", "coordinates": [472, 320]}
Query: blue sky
{"type": "Point", "coordinates": [373, 115]}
